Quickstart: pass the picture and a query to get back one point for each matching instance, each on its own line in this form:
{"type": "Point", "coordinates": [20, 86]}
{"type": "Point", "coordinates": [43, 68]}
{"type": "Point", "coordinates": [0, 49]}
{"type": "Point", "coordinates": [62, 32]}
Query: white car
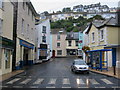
{"type": "Point", "coordinates": [79, 65]}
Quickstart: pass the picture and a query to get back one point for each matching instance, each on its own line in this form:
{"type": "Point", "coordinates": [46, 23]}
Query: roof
{"type": "Point", "coordinates": [102, 23]}
{"type": "Point", "coordinates": [56, 31]}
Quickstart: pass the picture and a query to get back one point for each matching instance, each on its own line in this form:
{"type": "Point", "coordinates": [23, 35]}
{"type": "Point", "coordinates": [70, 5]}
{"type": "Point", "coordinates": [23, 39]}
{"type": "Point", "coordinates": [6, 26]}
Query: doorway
{"type": "Point", "coordinates": [25, 56]}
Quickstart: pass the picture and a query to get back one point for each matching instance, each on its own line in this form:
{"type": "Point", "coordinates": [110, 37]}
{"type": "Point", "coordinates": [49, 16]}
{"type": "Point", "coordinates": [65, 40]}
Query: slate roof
{"type": "Point", "coordinates": [56, 31]}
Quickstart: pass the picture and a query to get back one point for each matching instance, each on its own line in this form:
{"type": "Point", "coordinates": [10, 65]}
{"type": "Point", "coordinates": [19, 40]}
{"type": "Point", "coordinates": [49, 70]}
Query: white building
{"type": "Point", "coordinates": [43, 48]}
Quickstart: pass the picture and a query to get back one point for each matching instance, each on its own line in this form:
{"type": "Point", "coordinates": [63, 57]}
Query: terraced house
{"type": "Point", "coordinates": [24, 34]}
{"type": "Point", "coordinates": [104, 43]}
{"type": "Point", "coordinates": [6, 36]}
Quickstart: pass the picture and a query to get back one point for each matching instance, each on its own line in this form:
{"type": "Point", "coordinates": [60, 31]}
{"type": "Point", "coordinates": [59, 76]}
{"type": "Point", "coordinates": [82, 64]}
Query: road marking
{"type": "Point", "coordinates": [25, 81]}
{"type": "Point", "coordinates": [66, 87]}
{"type": "Point", "coordinates": [106, 81]}
{"type": "Point", "coordinates": [33, 86]}
{"type": "Point", "coordinates": [100, 87]}
{"type": "Point", "coordinates": [66, 81]}
{"type": "Point", "coordinates": [50, 87]}
{"type": "Point", "coordinates": [93, 81]}
{"type": "Point", "coordinates": [82, 87]}
{"type": "Point", "coordinates": [52, 81]}
{"type": "Point", "coordinates": [79, 81]}
{"type": "Point", "coordinates": [39, 81]}
{"type": "Point", "coordinates": [17, 87]}
{"type": "Point", "coordinates": [12, 81]}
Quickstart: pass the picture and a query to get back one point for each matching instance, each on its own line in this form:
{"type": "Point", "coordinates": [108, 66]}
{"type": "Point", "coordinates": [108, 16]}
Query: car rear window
{"type": "Point", "coordinates": [80, 63]}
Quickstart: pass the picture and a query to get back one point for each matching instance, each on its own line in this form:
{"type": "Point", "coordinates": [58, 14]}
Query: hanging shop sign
{"type": "Point", "coordinates": [26, 44]}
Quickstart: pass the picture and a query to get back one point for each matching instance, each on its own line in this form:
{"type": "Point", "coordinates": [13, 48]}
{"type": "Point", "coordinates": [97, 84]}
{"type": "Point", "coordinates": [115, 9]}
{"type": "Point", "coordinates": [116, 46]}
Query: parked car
{"type": "Point", "coordinates": [79, 65]}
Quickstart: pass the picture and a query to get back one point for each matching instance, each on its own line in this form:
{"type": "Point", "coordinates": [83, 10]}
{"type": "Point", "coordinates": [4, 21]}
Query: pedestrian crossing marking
{"type": "Point", "coordinates": [52, 81]}
{"type": "Point", "coordinates": [79, 81]}
{"type": "Point", "coordinates": [25, 81]}
{"type": "Point", "coordinates": [106, 81]}
{"type": "Point", "coordinates": [33, 86]}
{"type": "Point", "coordinates": [93, 81]}
{"type": "Point", "coordinates": [66, 87]}
{"type": "Point", "coordinates": [50, 87]}
{"type": "Point", "coordinates": [39, 81]}
{"type": "Point", "coordinates": [12, 81]}
{"type": "Point", "coordinates": [82, 87]}
{"type": "Point", "coordinates": [66, 81]}
{"type": "Point", "coordinates": [100, 87]}
{"type": "Point", "coordinates": [17, 87]}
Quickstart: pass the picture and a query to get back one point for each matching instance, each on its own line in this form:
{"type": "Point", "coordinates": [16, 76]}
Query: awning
{"type": "Point", "coordinates": [100, 50]}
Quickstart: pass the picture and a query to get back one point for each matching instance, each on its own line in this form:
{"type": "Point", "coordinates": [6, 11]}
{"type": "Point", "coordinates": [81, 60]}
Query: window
{"type": "Point", "coordinates": [59, 52]}
{"type": "Point", "coordinates": [22, 26]}
{"type": "Point", "coordinates": [69, 43]}
{"type": "Point", "coordinates": [24, 5]}
{"type": "Point", "coordinates": [44, 39]}
{"type": "Point", "coordinates": [101, 34]}
{"type": "Point", "coordinates": [1, 23]}
{"type": "Point", "coordinates": [28, 11]}
{"type": "Point", "coordinates": [58, 44]}
{"type": "Point", "coordinates": [58, 37]}
{"type": "Point", "coordinates": [93, 37]}
{"type": "Point", "coordinates": [7, 59]}
{"type": "Point", "coordinates": [44, 29]}
{"type": "Point", "coordinates": [76, 42]}
{"type": "Point", "coordinates": [28, 30]}
{"type": "Point", "coordinates": [0, 3]}
{"type": "Point", "coordinates": [0, 57]}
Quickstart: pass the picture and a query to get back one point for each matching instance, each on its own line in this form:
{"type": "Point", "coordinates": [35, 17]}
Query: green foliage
{"type": "Point", "coordinates": [69, 24]}
{"type": "Point", "coordinates": [68, 9]}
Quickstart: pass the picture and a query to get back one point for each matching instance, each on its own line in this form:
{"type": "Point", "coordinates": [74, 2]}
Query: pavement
{"type": "Point", "coordinates": [110, 72]}
{"type": "Point", "coordinates": [9, 75]}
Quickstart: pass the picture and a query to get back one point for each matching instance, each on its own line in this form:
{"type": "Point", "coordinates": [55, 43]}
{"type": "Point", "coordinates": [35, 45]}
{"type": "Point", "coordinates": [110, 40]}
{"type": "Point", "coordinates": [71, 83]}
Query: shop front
{"type": "Point", "coordinates": [26, 55]}
{"type": "Point", "coordinates": [71, 52]}
{"type": "Point", "coordinates": [6, 49]}
{"type": "Point", "coordinates": [99, 59]}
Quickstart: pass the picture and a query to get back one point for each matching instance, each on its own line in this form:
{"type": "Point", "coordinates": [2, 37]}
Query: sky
{"type": "Point", "coordinates": [56, 5]}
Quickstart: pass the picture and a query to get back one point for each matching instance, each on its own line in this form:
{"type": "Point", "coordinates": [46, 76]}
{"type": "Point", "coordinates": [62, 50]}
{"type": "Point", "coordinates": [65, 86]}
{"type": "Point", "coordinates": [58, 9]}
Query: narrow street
{"type": "Point", "coordinates": [57, 74]}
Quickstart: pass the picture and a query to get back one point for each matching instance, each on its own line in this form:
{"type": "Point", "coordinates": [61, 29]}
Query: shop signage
{"type": "Point", "coordinates": [5, 42]}
{"type": "Point", "coordinates": [26, 44]}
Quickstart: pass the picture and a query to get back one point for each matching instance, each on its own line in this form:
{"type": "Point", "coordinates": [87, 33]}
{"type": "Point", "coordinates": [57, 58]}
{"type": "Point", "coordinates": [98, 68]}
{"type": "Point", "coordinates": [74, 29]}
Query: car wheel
{"type": "Point", "coordinates": [87, 72]}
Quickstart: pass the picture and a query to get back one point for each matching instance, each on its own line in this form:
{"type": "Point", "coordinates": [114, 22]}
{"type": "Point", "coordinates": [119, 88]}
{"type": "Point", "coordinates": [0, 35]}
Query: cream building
{"type": "Point", "coordinates": [104, 40]}
{"type": "Point", "coordinates": [25, 39]}
{"type": "Point", "coordinates": [6, 36]}
{"type": "Point", "coordinates": [58, 42]}
{"type": "Point", "coordinates": [72, 40]}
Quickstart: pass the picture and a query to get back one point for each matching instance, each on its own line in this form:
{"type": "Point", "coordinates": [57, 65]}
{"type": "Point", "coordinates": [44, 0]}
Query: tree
{"type": "Point", "coordinates": [68, 9]}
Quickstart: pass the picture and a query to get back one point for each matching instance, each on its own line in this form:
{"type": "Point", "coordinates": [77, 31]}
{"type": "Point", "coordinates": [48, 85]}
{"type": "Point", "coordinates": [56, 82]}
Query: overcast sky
{"type": "Point", "coordinates": [55, 5]}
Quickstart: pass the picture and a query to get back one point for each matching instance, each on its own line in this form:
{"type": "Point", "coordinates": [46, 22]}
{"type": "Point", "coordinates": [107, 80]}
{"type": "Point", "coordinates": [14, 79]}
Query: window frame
{"type": "Point", "coordinates": [44, 29]}
{"type": "Point", "coordinates": [69, 44]}
{"type": "Point", "coordinates": [59, 52]}
{"type": "Point", "coordinates": [93, 37]}
{"type": "Point", "coordinates": [102, 35]}
{"type": "Point", "coordinates": [58, 44]}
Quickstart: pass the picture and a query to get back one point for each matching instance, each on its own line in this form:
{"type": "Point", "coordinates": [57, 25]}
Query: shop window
{"type": "Point", "coordinates": [7, 59]}
{"type": "Point", "coordinates": [59, 52]}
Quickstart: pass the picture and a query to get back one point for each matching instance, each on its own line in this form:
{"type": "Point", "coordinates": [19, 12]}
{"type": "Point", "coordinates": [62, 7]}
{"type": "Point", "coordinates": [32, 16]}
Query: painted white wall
{"type": "Point", "coordinates": [39, 35]}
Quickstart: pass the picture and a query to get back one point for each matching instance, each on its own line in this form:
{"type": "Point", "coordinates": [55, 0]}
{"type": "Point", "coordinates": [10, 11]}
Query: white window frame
{"type": "Point", "coordinates": [102, 35]}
